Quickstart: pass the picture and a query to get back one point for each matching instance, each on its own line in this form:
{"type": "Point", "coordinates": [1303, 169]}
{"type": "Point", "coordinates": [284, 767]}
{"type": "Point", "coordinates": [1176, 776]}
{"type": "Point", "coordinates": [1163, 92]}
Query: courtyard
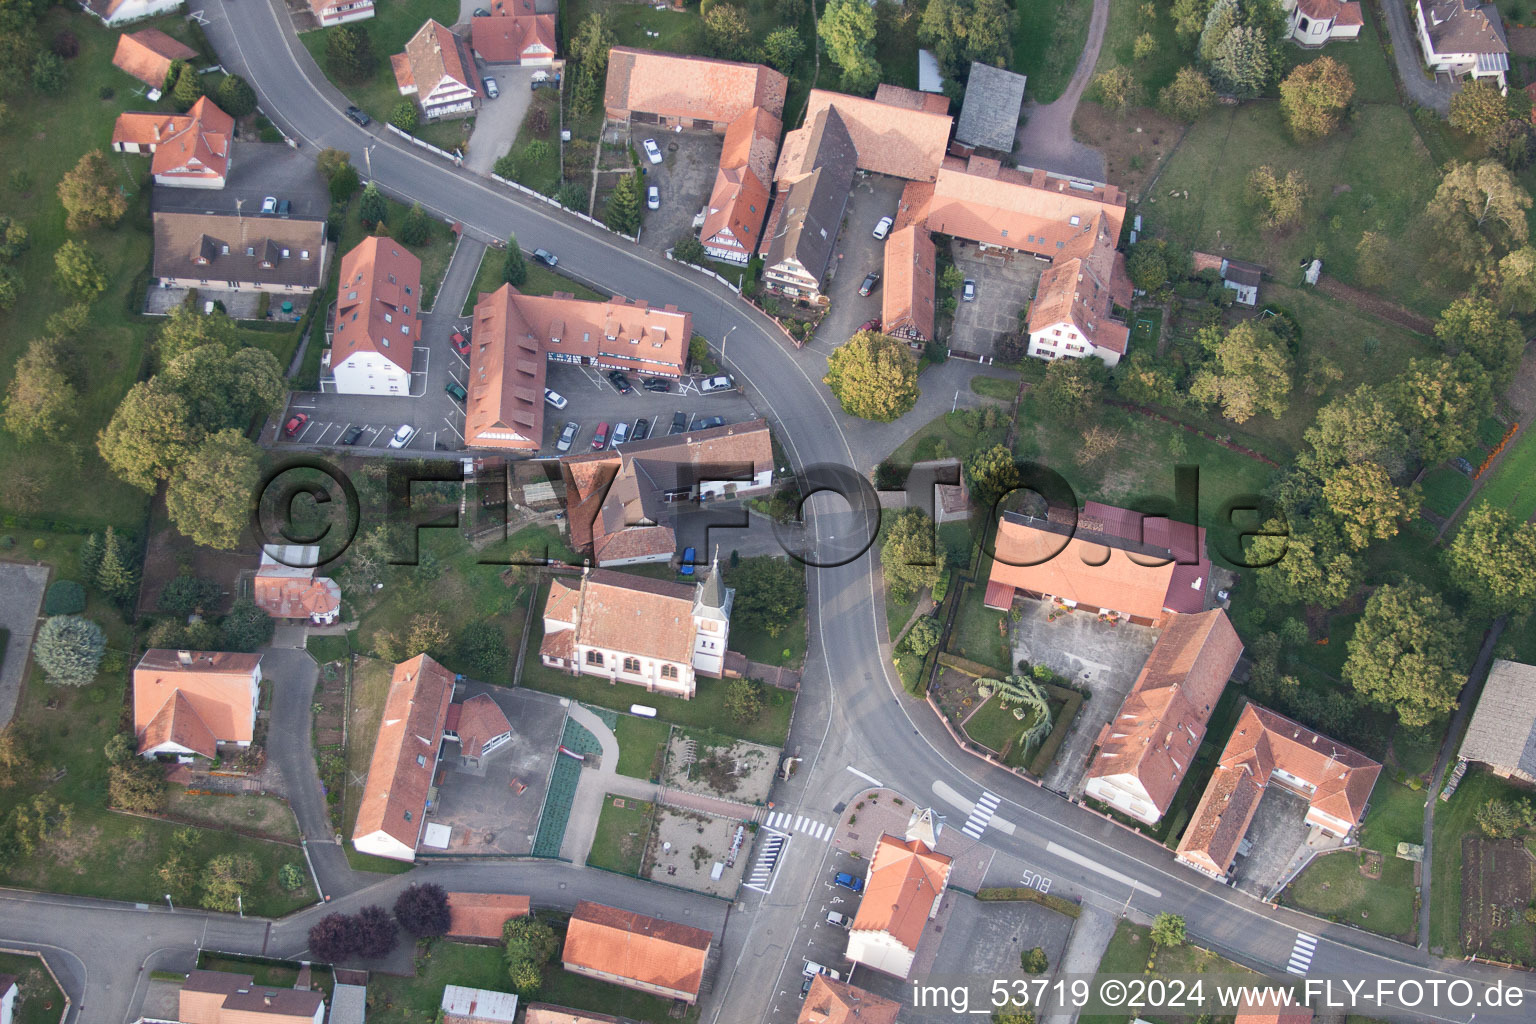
{"type": "Point", "coordinates": [684, 179]}
{"type": "Point", "coordinates": [1005, 286]}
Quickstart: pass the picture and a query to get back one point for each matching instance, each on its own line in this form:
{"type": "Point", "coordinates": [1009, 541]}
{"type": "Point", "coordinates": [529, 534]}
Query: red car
{"type": "Point", "coordinates": [460, 344]}
{"type": "Point", "coordinates": [295, 425]}
{"type": "Point", "coordinates": [600, 439]}
{"type": "Point", "coordinates": [870, 325]}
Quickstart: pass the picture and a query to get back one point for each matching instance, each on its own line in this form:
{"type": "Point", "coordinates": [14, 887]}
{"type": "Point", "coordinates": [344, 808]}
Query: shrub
{"type": "Point", "coordinates": [290, 877]}
{"type": "Point", "coordinates": [66, 597]}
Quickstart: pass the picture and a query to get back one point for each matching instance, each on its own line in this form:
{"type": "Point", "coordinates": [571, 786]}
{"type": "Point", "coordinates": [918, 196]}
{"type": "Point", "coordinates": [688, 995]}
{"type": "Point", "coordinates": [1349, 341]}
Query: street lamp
{"type": "Point", "coordinates": [368, 159]}
{"type": "Point", "coordinates": [726, 339]}
{"type": "Point", "coordinates": [240, 905]}
{"type": "Point", "coordinates": [169, 903]}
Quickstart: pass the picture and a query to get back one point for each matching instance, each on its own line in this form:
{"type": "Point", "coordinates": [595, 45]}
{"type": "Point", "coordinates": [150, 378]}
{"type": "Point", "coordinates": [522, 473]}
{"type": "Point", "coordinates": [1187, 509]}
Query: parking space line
{"type": "Point", "coordinates": [305, 431]}
{"type": "Point", "coordinates": [452, 428]}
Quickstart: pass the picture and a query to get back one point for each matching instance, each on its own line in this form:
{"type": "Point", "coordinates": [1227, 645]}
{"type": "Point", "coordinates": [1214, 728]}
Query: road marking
{"type": "Point", "coordinates": [765, 866]}
{"type": "Point", "coordinates": [866, 777]}
{"type": "Point", "coordinates": [1093, 865]}
{"type": "Point", "coordinates": [798, 822]}
{"type": "Point", "coordinates": [452, 428]}
{"type": "Point", "coordinates": [1301, 953]}
{"type": "Point", "coordinates": [948, 794]}
{"type": "Point", "coordinates": [981, 813]}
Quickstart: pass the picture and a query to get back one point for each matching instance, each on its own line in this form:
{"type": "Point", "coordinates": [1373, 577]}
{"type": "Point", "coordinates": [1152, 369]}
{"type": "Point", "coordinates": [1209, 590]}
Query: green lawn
{"type": "Point", "coordinates": [565, 989]}
{"type": "Point", "coordinates": [1128, 952]}
{"type": "Point", "coordinates": [268, 973]}
{"type": "Point", "coordinates": [541, 281]}
{"type": "Point", "coordinates": [1367, 61]}
{"type": "Point", "coordinates": [1332, 886]}
{"type": "Point", "coordinates": [950, 434]}
{"type": "Point", "coordinates": [1147, 327]}
{"type": "Point", "coordinates": [541, 173]}
{"type": "Point", "coordinates": [1126, 23]}
{"type": "Point", "coordinates": [39, 1000]}
{"type": "Point", "coordinates": [642, 746]}
{"type": "Point", "coordinates": [396, 999]}
{"type": "Point", "coordinates": [1001, 388]}
{"type": "Point", "coordinates": [328, 648]}
{"type": "Point", "coordinates": [266, 815]}
{"type": "Point", "coordinates": [370, 688]}
{"type": "Point", "coordinates": [1048, 38]}
{"type": "Point", "coordinates": [1444, 490]}
{"type": "Point", "coordinates": [975, 635]}
{"type": "Point", "coordinates": [994, 727]}
{"type": "Point", "coordinates": [1513, 483]}
{"type": "Point", "coordinates": [1453, 820]}
{"type": "Point", "coordinates": [435, 253]}
{"type": "Point", "coordinates": [619, 842]}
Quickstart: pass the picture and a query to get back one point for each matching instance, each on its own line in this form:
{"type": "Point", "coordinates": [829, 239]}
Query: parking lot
{"type": "Point", "coordinates": [858, 252]}
{"type": "Point", "coordinates": [1005, 284]}
{"type": "Point", "coordinates": [817, 940]}
{"type": "Point", "coordinates": [685, 177]}
{"type": "Point", "coordinates": [593, 399]}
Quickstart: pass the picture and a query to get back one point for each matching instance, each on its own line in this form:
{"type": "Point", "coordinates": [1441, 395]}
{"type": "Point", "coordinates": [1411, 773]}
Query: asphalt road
{"type": "Point", "coordinates": [851, 715]}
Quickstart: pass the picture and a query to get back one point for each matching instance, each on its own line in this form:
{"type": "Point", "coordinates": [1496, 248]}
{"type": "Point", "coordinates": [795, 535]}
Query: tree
{"type": "Point", "coordinates": [1310, 566]}
{"type": "Point", "coordinates": [1282, 201]}
{"type": "Point", "coordinates": [187, 328]}
{"type": "Point", "coordinates": [422, 909]}
{"type": "Point", "coordinates": [344, 185]}
{"type": "Point", "coordinates": [116, 576]}
{"type": "Point", "coordinates": [235, 96]}
{"type": "Point", "coordinates": [526, 978]}
{"type": "Point", "coordinates": [1368, 507]}
{"type": "Point", "coordinates": [1436, 399]}
{"type": "Point", "coordinates": [187, 594]}
{"type": "Point", "coordinates": [1405, 654]}
{"type": "Point", "coordinates": [1478, 108]}
{"type": "Point", "coordinates": [1248, 370]}
{"type": "Point", "coordinates": [1034, 961]}
{"type": "Point", "coordinates": [79, 270]}
{"type": "Point", "coordinates": [349, 54]}
{"type": "Point", "coordinates": [14, 238]}
{"type": "Point", "coordinates": [188, 88]}
{"type": "Point", "coordinates": [689, 250]}
{"type": "Point", "coordinates": [1514, 281]}
{"type": "Point", "coordinates": [959, 32]}
{"type": "Point", "coordinates": [226, 879]}
{"type": "Point", "coordinates": [223, 388]}
{"type": "Point", "coordinates": [177, 634]}
{"type": "Point", "coordinates": [847, 28]}
{"type": "Point", "coordinates": [991, 473]}
{"type": "Point", "coordinates": [209, 496]}
{"type": "Point", "coordinates": [923, 636]}
{"type": "Point", "coordinates": [40, 401]}
{"type": "Point", "coordinates": [1513, 143]}
{"type": "Point", "coordinates": [90, 193]}
{"type": "Point", "coordinates": [1189, 16]}
{"type": "Point", "coordinates": [15, 761]}
{"type": "Point", "coordinates": [907, 556]}
{"type": "Point", "coordinates": [68, 648]}
{"type": "Point", "coordinates": [1314, 97]}
{"type": "Point", "coordinates": [1375, 259]}
{"type": "Point", "coordinates": [1478, 212]}
{"type": "Point", "coordinates": [376, 933]}
{"type": "Point", "coordinates": [726, 31]}
{"type": "Point", "coordinates": [1492, 559]}
{"type": "Point", "coordinates": [514, 270]}
{"type": "Point", "coordinates": [1361, 426]}
{"type": "Point", "coordinates": [333, 938]}
{"type": "Point", "coordinates": [120, 748]}
{"type": "Point", "coordinates": [405, 115]}
{"type": "Point", "coordinates": [137, 785]}
{"type": "Point", "coordinates": [1154, 265]}
{"type": "Point", "coordinates": [1117, 88]}
{"type": "Point", "coordinates": [10, 289]}
{"type": "Point", "coordinates": [415, 229]}
{"type": "Point", "coordinates": [1503, 819]}
{"type": "Point", "coordinates": [873, 376]}
{"type": "Point", "coordinates": [482, 649]}
{"type": "Point", "coordinates": [1188, 97]}
{"type": "Point", "coordinates": [149, 434]}
{"type": "Point", "coordinates": [1072, 388]}
{"type": "Point", "coordinates": [66, 44]}
{"type": "Point", "coordinates": [372, 209]}
{"type": "Point", "coordinates": [330, 162]}
{"type": "Point", "coordinates": [1027, 699]}
{"type": "Point", "coordinates": [1167, 930]}
{"type": "Point", "coordinates": [782, 47]}
{"type": "Point", "coordinates": [770, 592]}
{"type": "Point", "coordinates": [48, 74]}
{"type": "Point", "coordinates": [1143, 378]}
{"type": "Point", "coordinates": [744, 699]}
{"type": "Point", "coordinates": [1098, 441]}
{"type": "Point", "coordinates": [64, 597]}
{"type": "Point", "coordinates": [622, 212]}
{"type": "Point", "coordinates": [246, 627]}
{"type": "Point", "coordinates": [1243, 63]}
{"type": "Point", "coordinates": [527, 945]}
{"type": "Point", "coordinates": [1476, 327]}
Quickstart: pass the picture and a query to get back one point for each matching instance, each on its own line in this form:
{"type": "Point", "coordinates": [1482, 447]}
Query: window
{"type": "Point", "coordinates": [594, 657]}
{"type": "Point", "coordinates": [1057, 332]}
{"type": "Point", "coordinates": [225, 250]}
{"type": "Point", "coordinates": [631, 664]}
{"type": "Point", "coordinates": [351, 295]}
{"type": "Point", "coordinates": [405, 329]}
{"type": "Point", "coordinates": [250, 250]}
{"type": "Point", "coordinates": [389, 318]}
{"type": "Point", "coordinates": [1074, 220]}
{"type": "Point", "coordinates": [303, 254]}
{"type": "Point", "coordinates": [406, 310]}
{"type": "Point", "coordinates": [1005, 232]}
{"type": "Point", "coordinates": [407, 815]}
{"type": "Point", "coordinates": [407, 289]}
{"type": "Point", "coordinates": [1303, 24]}
{"type": "Point", "coordinates": [421, 759]}
{"type": "Point", "coordinates": [669, 671]}
{"type": "Point", "coordinates": [285, 254]}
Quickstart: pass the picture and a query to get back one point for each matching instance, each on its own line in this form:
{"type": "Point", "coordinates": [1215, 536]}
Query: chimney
{"type": "Point", "coordinates": [185, 657]}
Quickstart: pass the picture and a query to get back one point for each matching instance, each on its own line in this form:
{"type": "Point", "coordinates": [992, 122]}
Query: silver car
{"type": "Point", "coordinates": [567, 436]}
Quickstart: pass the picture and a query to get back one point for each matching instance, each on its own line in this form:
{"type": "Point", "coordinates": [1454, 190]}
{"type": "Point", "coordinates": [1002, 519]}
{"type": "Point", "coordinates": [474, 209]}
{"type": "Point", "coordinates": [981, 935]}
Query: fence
{"type": "Point", "coordinates": [458, 161]}
{"type": "Point", "coordinates": [551, 201]}
{"type": "Point", "coordinates": [64, 1013]}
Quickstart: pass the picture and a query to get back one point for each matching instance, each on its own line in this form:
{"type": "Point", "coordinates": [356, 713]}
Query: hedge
{"type": "Point", "coordinates": [975, 669]}
{"type": "Point", "coordinates": [1072, 701]}
{"type": "Point", "coordinates": [1016, 894]}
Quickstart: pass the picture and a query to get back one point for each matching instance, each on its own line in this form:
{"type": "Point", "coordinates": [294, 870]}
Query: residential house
{"type": "Point", "coordinates": [349, 1004]}
{"type": "Point", "coordinates": [1144, 751]}
{"type": "Point", "coordinates": [1502, 734]}
{"type": "Point", "coordinates": [1074, 314]}
{"type": "Point", "coordinates": [399, 789]}
{"type": "Point", "coordinates": [621, 501]}
{"type": "Point", "coordinates": [515, 335]}
{"type": "Point", "coordinates": [147, 55]}
{"type": "Point", "coordinates": [515, 33]}
{"type": "Point", "coordinates": [1263, 1007]}
{"type": "Point", "coordinates": [906, 303]}
{"type": "Point", "coordinates": [119, 12]}
{"type": "Point", "coordinates": [1242, 277]}
{"type": "Point", "coordinates": [1103, 560]}
{"type": "Point", "coordinates": [635, 951]}
{"type": "Point", "coordinates": [689, 92]}
{"type": "Point", "coordinates": [1022, 210]}
{"type": "Point", "coordinates": [1267, 747]}
{"type": "Point", "coordinates": [286, 587]}
{"type": "Point", "coordinates": [480, 917]}
{"type": "Point", "coordinates": [630, 629]}
{"type": "Point", "coordinates": [189, 702]}
{"type": "Point", "coordinates": [9, 993]}
{"type": "Point", "coordinates": [1463, 37]}
{"type": "Point", "coordinates": [378, 320]}
{"type": "Point", "coordinates": [218, 997]}
{"type": "Point", "coordinates": [837, 1002]}
{"type": "Point", "coordinates": [478, 725]}
{"type": "Point", "coordinates": [733, 216]}
{"type": "Point", "coordinates": [339, 12]}
{"type": "Point", "coordinates": [902, 891]}
{"type": "Point", "coordinates": [1315, 22]}
{"type": "Point", "coordinates": [989, 117]}
{"type": "Point", "coordinates": [798, 244]}
{"type": "Point", "coordinates": [437, 71]}
{"type": "Point", "coordinates": [239, 253]}
{"type": "Point", "coordinates": [888, 138]}
{"type": "Point", "coordinates": [190, 150]}
{"type": "Point", "coordinates": [462, 1005]}
{"type": "Point", "coordinates": [548, 1013]}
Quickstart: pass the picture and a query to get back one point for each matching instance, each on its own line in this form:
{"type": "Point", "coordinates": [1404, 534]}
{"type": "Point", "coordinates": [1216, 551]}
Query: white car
{"type": "Point", "coordinates": [653, 198]}
{"type": "Point", "coordinates": [269, 204]}
{"type": "Point", "coordinates": [836, 919]}
{"type": "Point", "coordinates": [567, 435]}
{"type": "Point", "coordinates": [722, 383]}
{"type": "Point", "coordinates": [402, 436]}
{"type": "Point", "coordinates": [883, 228]}
{"type": "Point", "coordinates": [491, 88]}
{"type": "Point", "coordinates": [812, 968]}
{"type": "Point", "coordinates": [968, 292]}
{"type": "Point", "coordinates": [555, 398]}
{"type": "Point", "coordinates": [620, 434]}
{"type": "Point", "coordinates": [652, 151]}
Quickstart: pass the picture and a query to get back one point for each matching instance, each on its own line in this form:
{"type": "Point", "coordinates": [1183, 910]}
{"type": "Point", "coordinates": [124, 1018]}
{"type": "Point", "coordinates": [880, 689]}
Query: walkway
{"type": "Point", "coordinates": [1435, 95]}
{"type": "Point", "coordinates": [1046, 139]}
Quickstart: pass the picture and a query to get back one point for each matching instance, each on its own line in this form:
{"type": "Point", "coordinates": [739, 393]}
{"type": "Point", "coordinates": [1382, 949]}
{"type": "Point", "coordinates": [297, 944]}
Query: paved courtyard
{"type": "Point", "coordinates": [1279, 830]}
{"type": "Point", "coordinates": [21, 595]}
{"type": "Point", "coordinates": [498, 120]}
{"type": "Point", "coordinates": [1005, 285]}
{"type": "Point", "coordinates": [858, 252]}
{"type": "Point", "coordinates": [684, 179]}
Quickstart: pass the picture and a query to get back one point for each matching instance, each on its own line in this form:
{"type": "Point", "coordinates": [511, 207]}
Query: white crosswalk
{"type": "Point", "coordinates": [1301, 953]}
{"type": "Point", "coordinates": [770, 846]}
{"type": "Point", "coordinates": [982, 813]}
{"type": "Point", "coordinates": [788, 821]}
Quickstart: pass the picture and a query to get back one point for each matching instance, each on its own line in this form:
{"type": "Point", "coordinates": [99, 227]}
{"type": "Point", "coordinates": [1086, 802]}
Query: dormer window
{"type": "Point", "coordinates": [392, 276]}
{"type": "Point", "coordinates": [1074, 220]}
{"type": "Point", "coordinates": [352, 295]}
{"type": "Point", "coordinates": [384, 342]}
{"type": "Point", "coordinates": [407, 289]}
{"type": "Point", "coordinates": [389, 318]}
{"type": "Point", "coordinates": [250, 250]}
{"type": "Point", "coordinates": [405, 329]}
{"type": "Point", "coordinates": [224, 250]}
{"type": "Point", "coordinates": [285, 254]}
{"type": "Point", "coordinates": [303, 254]}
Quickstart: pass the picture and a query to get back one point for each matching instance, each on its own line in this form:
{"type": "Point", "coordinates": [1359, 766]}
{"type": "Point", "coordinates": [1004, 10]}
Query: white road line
{"type": "Point", "coordinates": [798, 822]}
{"type": "Point", "coordinates": [947, 793]}
{"type": "Point", "coordinates": [1093, 865]}
{"type": "Point", "coordinates": [452, 428]}
{"type": "Point", "coordinates": [866, 777]}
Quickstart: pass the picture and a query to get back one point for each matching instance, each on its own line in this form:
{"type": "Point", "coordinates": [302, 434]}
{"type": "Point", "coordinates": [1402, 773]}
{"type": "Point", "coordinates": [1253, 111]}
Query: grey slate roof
{"type": "Point", "coordinates": [813, 205]}
{"type": "Point", "coordinates": [181, 238]}
{"type": "Point", "coordinates": [1240, 272]}
{"type": "Point", "coordinates": [1503, 729]}
{"type": "Point", "coordinates": [349, 1004]}
{"type": "Point", "coordinates": [990, 116]}
{"type": "Point", "coordinates": [1465, 26]}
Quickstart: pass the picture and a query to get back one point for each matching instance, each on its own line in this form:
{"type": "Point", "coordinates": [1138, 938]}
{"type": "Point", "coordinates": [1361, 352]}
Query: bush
{"type": "Point", "coordinates": [1019, 894]}
{"type": "Point", "coordinates": [290, 877]}
{"type": "Point", "coordinates": [68, 649]}
{"type": "Point", "coordinates": [187, 594]}
{"type": "Point", "coordinates": [66, 597]}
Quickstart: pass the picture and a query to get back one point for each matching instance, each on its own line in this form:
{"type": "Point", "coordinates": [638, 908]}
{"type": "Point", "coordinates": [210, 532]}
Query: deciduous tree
{"type": "Point", "coordinates": [744, 699]}
{"type": "Point", "coordinates": [782, 47]}
{"type": "Point", "coordinates": [1478, 328]}
{"type": "Point", "coordinates": [1361, 426]}
{"type": "Point", "coordinates": [48, 74]}
{"type": "Point", "coordinates": [40, 401]}
{"type": "Point", "coordinates": [137, 785]}
{"type": "Point", "coordinates": [223, 388]}
{"type": "Point", "coordinates": [481, 648]}
{"type": "Point", "coordinates": [186, 329]}
{"type": "Point", "coordinates": [1281, 201]}
{"type": "Point", "coordinates": [1365, 503]}
{"type": "Point", "coordinates": [68, 648]}
{"type": "Point", "coordinates": [377, 935]}
{"type": "Point", "coordinates": [333, 938]}
{"type": "Point", "coordinates": [186, 594]}
{"type": "Point", "coordinates": [1437, 400]}
{"type": "Point", "coordinates": [1308, 566]}
{"type": "Point", "coordinates": [1478, 212]}
{"type": "Point", "coordinates": [149, 434]}
{"type": "Point", "coordinates": [923, 636]}
{"type": "Point", "coordinates": [225, 880]}
{"type": "Point", "coordinates": [847, 27]}
{"type": "Point", "coordinates": [405, 115]}
{"type": "Point", "coordinates": [907, 557]}
{"type": "Point", "coordinates": [726, 31]}
{"type": "Point", "coordinates": [1375, 259]}
{"type": "Point", "coordinates": [1072, 388]}
{"type": "Point", "coordinates": [1315, 96]}
{"type": "Point", "coordinates": [873, 376]}
{"type": "Point", "coordinates": [961, 31]}
{"type": "Point", "coordinates": [90, 193]}
{"type": "Point", "coordinates": [1406, 654]}
{"type": "Point", "coordinates": [422, 909]}
{"type": "Point", "coordinates": [1248, 370]}
{"type": "Point", "coordinates": [209, 495]}
{"type": "Point", "coordinates": [79, 270]}
{"type": "Point", "coordinates": [246, 627]}
{"type": "Point", "coordinates": [1513, 143]}
{"type": "Point", "coordinates": [1117, 88]}
{"type": "Point", "coordinates": [1492, 559]}
{"type": "Point", "coordinates": [1189, 16]}
{"type": "Point", "coordinates": [991, 473]}
{"type": "Point", "coordinates": [1514, 281]}
{"type": "Point", "coordinates": [1478, 108]}
{"type": "Point", "coordinates": [1167, 930]}
{"type": "Point", "coordinates": [349, 54]}
{"type": "Point", "coordinates": [770, 592]}
{"type": "Point", "coordinates": [1188, 97]}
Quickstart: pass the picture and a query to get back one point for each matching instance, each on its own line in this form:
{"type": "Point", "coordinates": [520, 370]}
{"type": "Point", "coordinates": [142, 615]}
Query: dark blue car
{"type": "Point", "coordinates": [848, 882]}
{"type": "Point", "coordinates": [687, 567]}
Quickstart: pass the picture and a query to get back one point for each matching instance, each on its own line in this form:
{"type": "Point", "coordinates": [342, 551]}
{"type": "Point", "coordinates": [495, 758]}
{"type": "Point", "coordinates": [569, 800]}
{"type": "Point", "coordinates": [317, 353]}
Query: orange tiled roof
{"type": "Point", "coordinates": [739, 200]}
{"type": "Point", "coordinates": [189, 146]}
{"type": "Point", "coordinates": [1252, 1012]}
{"type": "Point", "coordinates": [1160, 727]}
{"type": "Point", "coordinates": [889, 139]}
{"type": "Point", "coordinates": [215, 688]}
{"type": "Point", "coordinates": [432, 56]}
{"type": "Point", "coordinates": [480, 719]}
{"type": "Point", "coordinates": [178, 722]}
{"type": "Point", "coordinates": [483, 915]}
{"type": "Point", "coordinates": [1340, 12]}
{"type": "Point", "coordinates": [912, 99]}
{"type": "Point", "coordinates": [905, 880]}
{"type": "Point", "coordinates": [699, 88]}
{"type": "Point", "coordinates": [906, 306]}
{"type": "Point", "coordinates": [632, 614]}
{"type": "Point", "coordinates": [285, 597]}
{"type": "Point", "coordinates": [1029, 210]}
{"type": "Point", "coordinates": [547, 1013]}
{"type": "Point", "coordinates": [217, 997]}
{"type": "Point", "coordinates": [147, 55]}
{"type": "Point", "coordinates": [405, 751]}
{"type": "Point", "coordinates": [837, 1002]}
{"type": "Point", "coordinates": [378, 302]}
{"type": "Point", "coordinates": [633, 946]}
{"type": "Point", "coordinates": [1082, 289]}
{"type": "Point", "coordinates": [509, 36]}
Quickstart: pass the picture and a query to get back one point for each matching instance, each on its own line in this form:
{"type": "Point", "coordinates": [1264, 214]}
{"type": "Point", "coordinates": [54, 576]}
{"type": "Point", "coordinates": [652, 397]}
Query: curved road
{"type": "Point", "coordinates": [852, 714]}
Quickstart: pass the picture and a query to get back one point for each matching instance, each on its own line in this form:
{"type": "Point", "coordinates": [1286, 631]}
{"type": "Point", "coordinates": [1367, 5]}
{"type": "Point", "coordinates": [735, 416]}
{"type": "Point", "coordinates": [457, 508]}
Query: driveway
{"type": "Point", "coordinates": [21, 595]}
{"type": "Point", "coordinates": [498, 120]}
{"type": "Point", "coordinates": [685, 177]}
{"type": "Point", "coordinates": [858, 252]}
{"type": "Point", "coordinates": [1005, 284]}
{"type": "Point", "coordinates": [1436, 94]}
{"type": "Point", "coordinates": [1046, 139]}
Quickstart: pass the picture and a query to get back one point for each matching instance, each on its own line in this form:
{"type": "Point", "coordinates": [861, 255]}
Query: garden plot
{"type": "Point", "coordinates": [686, 846]}
{"type": "Point", "coordinates": [1496, 890]}
{"type": "Point", "coordinates": [736, 770]}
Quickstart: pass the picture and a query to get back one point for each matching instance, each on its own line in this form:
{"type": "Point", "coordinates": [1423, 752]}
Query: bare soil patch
{"type": "Point", "coordinates": [686, 845]}
{"type": "Point", "coordinates": [1370, 864]}
{"type": "Point", "coordinates": [1134, 144]}
{"type": "Point", "coordinates": [1496, 889]}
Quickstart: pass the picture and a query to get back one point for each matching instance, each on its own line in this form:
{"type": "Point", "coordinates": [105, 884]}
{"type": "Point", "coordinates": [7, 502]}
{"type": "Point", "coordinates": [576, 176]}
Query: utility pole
{"type": "Point", "coordinates": [728, 338]}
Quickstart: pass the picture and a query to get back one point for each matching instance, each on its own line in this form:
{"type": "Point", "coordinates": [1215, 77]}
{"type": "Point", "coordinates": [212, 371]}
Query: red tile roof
{"type": "Point", "coordinates": [217, 997]}
{"type": "Point", "coordinates": [1082, 290]}
{"type": "Point", "coordinates": [632, 614]}
{"type": "Point", "coordinates": [905, 880]}
{"type": "Point", "coordinates": [479, 719]}
{"type": "Point", "coordinates": [837, 1002]}
{"type": "Point", "coordinates": [187, 147]}
{"type": "Point", "coordinates": [483, 915]}
{"type": "Point", "coordinates": [513, 36]}
{"type": "Point", "coordinates": [285, 597]}
{"type": "Point", "coordinates": [147, 55]}
{"type": "Point", "coordinates": [178, 722]}
{"type": "Point", "coordinates": [432, 56]}
{"type": "Point", "coordinates": [215, 692]}
{"type": "Point", "coordinates": [895, 140]}
{"type": "Point", "coordinates": [1032, 211]}
{"type": "Point", "coordinates": [405, 751]}
{"type": "Point", "coordinates": [739, 201]}
{"type": "Point", "coordinates": [697, 88]}
{"type": "Point", "coordinates": [1340, 12]}
{"type": "Point", "coordinates": [635, 947]}
{"type": "Point", "coordinates": [906, 305]}
{"type": "Point", "coordinates": [1252, 1012]}
{"type": "Point", "coordinates": [379, 278]}
{"type": "Point", "coordinates": [901, 96]}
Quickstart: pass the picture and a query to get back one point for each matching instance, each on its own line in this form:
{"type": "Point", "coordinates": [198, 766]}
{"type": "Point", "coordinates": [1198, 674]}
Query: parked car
{"type": "Point", "coordinates": [968, 290]}
{"type": "Point", "coordinates": [356, 114]}
{"type": "Point", "coordinates": [883, 228]}
{"type": "Point", "coordinates": [351, 436]}
{"type": "Point", "coordinates": [812, 968]}
{"type": "Point", "coordinates": [872, 324]}
{"type": "Point", "coordinates": [686, 568]}
{"type": "Point", "coordinates": [653, 198]}
{"type": "Point", "coordinates": [545, 257]}
{"type": "Point", "coordinates": [1463, 465]}
{"type": "Point", "coordinates": [620, 381]}
{"type": "Point", "coordinates": [620, 434]}
{"type": "Point", "coordinates": [283, 206]}
{"type": "Point", "coordinates": [295, 425]}
{"type": "Point", "coordinates": [567, 436]}
{"type": "Point", "coordinates": [660, 385]}
{"type": "Point", "coordinates": [679, 423]}
{"type": "Point", "coordinates": [460, 344]}
{"type": "Point", "coordinates": [481, 12]}
{"type": "Point", "coordinates": [805, 986]}
{"type": "Point", "coordinates": [849, 882]}
{"type": "Point", "coordinates": [269, 204]}
{"type": "Point", "coordinates": [402, 436]}
{"type": "Point", "coordinates": [709, 423]}
{"type": "Point", "coordinates": [870, 280]}
{"type": "Point", "coordinates": [491, 88]}
{"type": "Point", "coordinates": [555, 399]}
{"type": "Point", "coordinates": [839, 920]}
{"type": "Point", "coordinates": [721, 383]}
{"type": "Point", "coordinates": [456, 389]}
{"type": "Point", "coordinates": [600, 439]}
{"type": "Point", "coordinates": [652, 151]}
{"type": "Point", "coordinates": [642, 430]}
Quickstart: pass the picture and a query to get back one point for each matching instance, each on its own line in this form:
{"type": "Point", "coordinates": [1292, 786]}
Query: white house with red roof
{"type": "Point", "coordinates": [1315, 22]}
{"type": "Point", "coordinates": [378, 319]}
{"type": "Point", "coordinates": [902, 891]}
{"type": "Point", "coordinates": [437, 70]}
{"type": "Point", "coordinates": [190, 150]}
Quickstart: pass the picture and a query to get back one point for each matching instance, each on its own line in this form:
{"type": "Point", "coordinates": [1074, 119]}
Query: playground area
{"type": "Point", "coordinates": [562, 789]}
{"type": "Point", "coordinates": [697, 851]}
{"type": "Point", "coordinates": [713, 765]}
